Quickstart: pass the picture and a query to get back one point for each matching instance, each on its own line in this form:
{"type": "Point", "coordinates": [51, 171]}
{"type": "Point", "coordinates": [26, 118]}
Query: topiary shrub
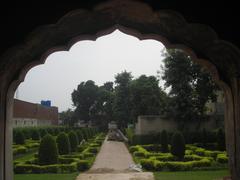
{"type": "Point", "coordinates": [73, 141]}
{"type": "Point", "coordinates": [19, 137]}
{"type": "Point", "coordinates": [222, 158]}
{"type": "Point", "coordinates": [178, 145]}
{"type": "Point", "coordinates": [80, 136]}
{"type": "Point", "coordinates": [63, 143]}
{"type": "Point", "coordinates": [48, 153]}
{"type": "Point", "coordinates": [35, 134]}
{"type": "Point", "coordinates": [43, 132]}
{"type": "Point", "coordinates": [221, 140]}
{"type": "Point", "coordinates": [147, 164]}
{"type": "Point", "coordinates": [164, 141]}
{"type": "Point", "coordinates": [83, 165]}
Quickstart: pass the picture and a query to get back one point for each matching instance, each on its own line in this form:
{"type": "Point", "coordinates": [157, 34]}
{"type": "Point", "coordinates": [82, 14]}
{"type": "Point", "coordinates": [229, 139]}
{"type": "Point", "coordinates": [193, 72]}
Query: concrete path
{"type": "Point", "coordinates": [112, 163]}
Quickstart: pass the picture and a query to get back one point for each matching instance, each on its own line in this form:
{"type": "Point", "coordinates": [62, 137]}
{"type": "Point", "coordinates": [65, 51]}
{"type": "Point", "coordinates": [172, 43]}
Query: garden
{"type": "Point", "coordinates": [55, 149]}
{"type": "Point", "coordinates": [170, 152]}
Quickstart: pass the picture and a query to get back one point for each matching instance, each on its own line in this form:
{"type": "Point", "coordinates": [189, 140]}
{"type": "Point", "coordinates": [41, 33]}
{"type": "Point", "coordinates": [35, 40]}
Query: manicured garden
{"type": "Point", "coordinates": [172, 154]}
{"type": "Point", "coordinates": [55, 149]}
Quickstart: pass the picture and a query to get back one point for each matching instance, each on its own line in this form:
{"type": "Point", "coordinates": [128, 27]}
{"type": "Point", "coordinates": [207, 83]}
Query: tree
{"type": "Point", "coordinates": [84, 98]}
{"type": "Point", "coordinates": [35, 134]}
{"type": "Point", "coordinates": [121, 104]}
{"type": "Point", "coordinates": [178, 145]}
{"type": "Point", "coordinates": [67, 117]}
{"type": "Point", "coordinates": [63, 143]}
{"type": "Point", "coordinates": [48, 152]}
{"type": "Point", "coordinates": [190, 87]}
{"type": "Point", "coordinates": [147, 98]}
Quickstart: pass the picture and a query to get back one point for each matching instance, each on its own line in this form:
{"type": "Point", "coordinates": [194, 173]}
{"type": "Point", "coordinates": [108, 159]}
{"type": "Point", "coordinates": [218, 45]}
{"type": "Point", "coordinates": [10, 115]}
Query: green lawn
{"type": "Point", "coordinates": [45, 176]}
{"type": "Point", "coordinates": [191, 175]}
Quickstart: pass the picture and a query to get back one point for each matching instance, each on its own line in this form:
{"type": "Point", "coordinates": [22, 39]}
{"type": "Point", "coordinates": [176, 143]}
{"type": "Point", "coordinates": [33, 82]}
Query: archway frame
{"type": "Point", "coordinates": [221, 58]}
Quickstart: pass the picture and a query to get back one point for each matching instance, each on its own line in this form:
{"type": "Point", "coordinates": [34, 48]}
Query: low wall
{"type": "Point", "coordinates": [154, 124]}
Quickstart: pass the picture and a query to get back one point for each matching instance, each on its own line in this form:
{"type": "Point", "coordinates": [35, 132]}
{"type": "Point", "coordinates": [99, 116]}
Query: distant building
{"type": "Point", "coordinates": [30, 114]}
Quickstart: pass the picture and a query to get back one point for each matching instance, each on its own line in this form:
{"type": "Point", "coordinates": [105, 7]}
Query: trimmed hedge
{"type": "Point", "coordinates": [83, 165]}
{"type": "Point", "coordinates": [48, 153]}
{"type": "Point", "coordinates": [178, 145]}
{"type": "Point", "coordinates": [63, 144]}
{"type": "Point", "coordinates": [73, 141]}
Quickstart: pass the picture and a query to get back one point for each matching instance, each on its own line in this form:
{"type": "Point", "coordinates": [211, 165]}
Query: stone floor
{"type": "Point", "coordinates": [112, 163]}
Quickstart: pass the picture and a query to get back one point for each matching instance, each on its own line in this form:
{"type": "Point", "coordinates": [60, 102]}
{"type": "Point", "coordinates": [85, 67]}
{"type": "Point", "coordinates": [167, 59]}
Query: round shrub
{"type": "Point", "coordinates": [19, 137]}
{"type": "Point", "coordinates": [48, 153]}
{"type": "Point", "coordinates": [35, 134]}
{"type": "Point", "coordinates": [83, 165]}
{"type": "Point", "coordinates": [178, 145]}
{"type": "Point", "coordinates": [164, 141]}
{"type": "Point", "coordinates": [63, 143]}
{"type": "Point", "coordinates": [43, 132]}
{"type": "Point", "coordinates": [73, 141]}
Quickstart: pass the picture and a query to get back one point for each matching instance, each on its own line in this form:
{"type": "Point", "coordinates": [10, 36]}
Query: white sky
{"type": "Point", "coordinates": [96, 60]}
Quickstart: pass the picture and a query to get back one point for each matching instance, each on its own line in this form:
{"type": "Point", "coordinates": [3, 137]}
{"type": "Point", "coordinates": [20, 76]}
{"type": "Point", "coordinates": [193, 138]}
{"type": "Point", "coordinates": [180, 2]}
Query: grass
{"type": "Point", "coordinates": [45, 176]}
{"type": "Point", "coordinates": [191, 175]}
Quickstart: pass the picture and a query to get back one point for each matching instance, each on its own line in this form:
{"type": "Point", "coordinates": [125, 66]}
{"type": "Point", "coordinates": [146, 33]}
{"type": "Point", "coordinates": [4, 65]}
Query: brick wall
{"type": "Point", "coordinates": [23, 109]}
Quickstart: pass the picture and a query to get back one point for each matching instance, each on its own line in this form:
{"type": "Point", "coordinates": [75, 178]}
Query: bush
{"type": "Point", "coordinates": [178, 145]}
{"type": "Point", "coordinates": [19, 137]}
{"type": "Point", "coordinates": [68, 168]}
{"type": "Point", "coordinates": [159, 166]}
{"type": "Point", "coordinates": [164, 141]}
{"type": "Point", "coordinates": [48, 153]}
{"type": "Point", "coordinates": [166, 157]}
{"type": "Point", "coordinates": [35, 134]}
{"type": "Point", "coordinates": [222, 158]}
{"type": "Point", "coordinates": [83, 165]}
{"type": "Point", "coordinates": [200, 151]}
{"type": "Point", "coordinates": [63, 143]}
{"type": "Point", "coordinates": [73, 141]}
{"type": "Point", "coordinates": [19, 150]}
{"type": "Point", "coordinates": [179, 166]}
{"type": "Point", "coordinates": [147, 164]}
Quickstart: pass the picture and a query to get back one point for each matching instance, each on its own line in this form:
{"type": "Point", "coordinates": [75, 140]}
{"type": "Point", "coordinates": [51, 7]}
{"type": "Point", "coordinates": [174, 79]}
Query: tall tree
{"type": "Point", "coordinates": [147, 98]}
{"type": "Point", "coordinates": [190, 87]}
{"type": "Point", "coordinates": [84, 98]}
{"type": "Point", "coordinates": [121, 105]}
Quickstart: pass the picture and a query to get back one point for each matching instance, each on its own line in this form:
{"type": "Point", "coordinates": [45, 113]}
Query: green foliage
{"type": "Point", "coordinates": [63, 143]}
{"type": "Point", "coordinates": [48, 153]}
{"type": "Point", "coordinates": [83, 165]}
{"type": "Point", "coordinates": [121, 106]}
{"type": "Point", "coordinates": [222, 158]}
{"type": "Point", "coordinates": [73, 141]}
{"type": "Point", "coordinates": [190, 89]}
{"type": "Point", "coordinates": [19, 137]}
{"type": "Point", "coordinates": [35, 134]}
{"type": "Point", "coordinates": [84, 98]}
{"type": "Point", "coordinates": [146, 96]}
{"type": "Point", "coordinates": [164, 141]}
{"type": "Point", "coordinates": [178, 145]}
{"type": "Point", "coordinates": [19, 150]}
{"type": "Point", "coordinates": [147, 164]}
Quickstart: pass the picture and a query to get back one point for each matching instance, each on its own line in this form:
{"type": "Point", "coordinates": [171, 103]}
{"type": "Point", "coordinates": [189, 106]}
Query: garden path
{"type": "Point", "coordinates": [112, 163]}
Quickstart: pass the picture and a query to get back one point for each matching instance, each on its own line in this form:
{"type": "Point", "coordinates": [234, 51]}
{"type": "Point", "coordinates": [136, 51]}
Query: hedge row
{"type": "Point", "coordinates": [155, 165]}
{"type": "Point", "coordinates": [81, 165]}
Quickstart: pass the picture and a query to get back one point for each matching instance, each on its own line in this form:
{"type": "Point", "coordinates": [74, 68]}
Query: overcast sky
{"type": "Point", "coordinates": [96, 60]}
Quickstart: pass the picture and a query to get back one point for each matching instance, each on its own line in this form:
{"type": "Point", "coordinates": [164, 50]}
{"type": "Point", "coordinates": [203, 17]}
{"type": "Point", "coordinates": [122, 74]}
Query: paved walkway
{"type": "Point", "coordinates": [112, 163]}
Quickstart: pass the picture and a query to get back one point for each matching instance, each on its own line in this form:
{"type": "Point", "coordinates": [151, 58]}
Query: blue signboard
{"type": "Point", "coordinates": [46, 103]}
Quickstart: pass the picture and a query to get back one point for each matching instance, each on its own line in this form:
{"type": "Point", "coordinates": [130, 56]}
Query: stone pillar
{"type": "Point", "coordinates": [6, 159]}
{"type": "Point", "coordinates": [2, 135]}
{"type": "Point", "coordinates": [232, 127]}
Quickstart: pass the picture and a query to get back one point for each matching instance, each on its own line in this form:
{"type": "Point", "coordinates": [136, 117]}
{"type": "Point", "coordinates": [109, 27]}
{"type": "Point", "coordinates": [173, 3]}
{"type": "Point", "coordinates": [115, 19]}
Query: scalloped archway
{"type": "Point", "coordinates": [133, 18]}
